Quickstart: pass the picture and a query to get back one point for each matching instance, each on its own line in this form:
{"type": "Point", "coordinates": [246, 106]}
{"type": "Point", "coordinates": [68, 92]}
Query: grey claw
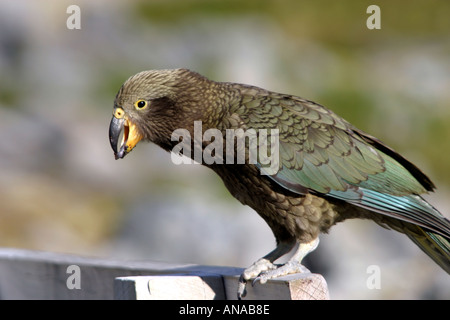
{"type": "Point", "coordinates": [242, 291]}
{"type": "Point", "coordinates": [255, 281]}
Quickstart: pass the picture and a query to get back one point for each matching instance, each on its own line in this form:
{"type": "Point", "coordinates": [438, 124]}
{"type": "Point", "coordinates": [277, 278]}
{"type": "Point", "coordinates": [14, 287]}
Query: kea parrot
{"type": "Point", "coordinates": [328, 170]}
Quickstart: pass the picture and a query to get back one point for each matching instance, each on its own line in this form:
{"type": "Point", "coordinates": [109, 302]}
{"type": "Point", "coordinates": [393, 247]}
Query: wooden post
{"type": "Point", "coordinates": [170, 287]}
{"type": "Point", "coordinates": [305, 286]}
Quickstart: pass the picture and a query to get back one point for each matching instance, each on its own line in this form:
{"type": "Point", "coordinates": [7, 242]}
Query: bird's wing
{"type": "Point", "coordinates": [323, 153]}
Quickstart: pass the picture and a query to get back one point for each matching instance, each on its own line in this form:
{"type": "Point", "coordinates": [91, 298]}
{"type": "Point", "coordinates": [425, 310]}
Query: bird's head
{"type": "Point", "coordinates": [152, 104]}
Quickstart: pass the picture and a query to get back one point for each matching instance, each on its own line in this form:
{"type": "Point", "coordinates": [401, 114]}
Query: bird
{"type": "Point", "coordinates": [327, 170]}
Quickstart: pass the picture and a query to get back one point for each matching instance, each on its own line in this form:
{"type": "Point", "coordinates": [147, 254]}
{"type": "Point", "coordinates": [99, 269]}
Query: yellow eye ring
{"type": "Point", "coordinates": [140, 104]}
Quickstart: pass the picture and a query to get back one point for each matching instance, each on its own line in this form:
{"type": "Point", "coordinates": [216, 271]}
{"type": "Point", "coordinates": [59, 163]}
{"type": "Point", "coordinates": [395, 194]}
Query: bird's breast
{"type": "Point", "coordinates": [288, 214]}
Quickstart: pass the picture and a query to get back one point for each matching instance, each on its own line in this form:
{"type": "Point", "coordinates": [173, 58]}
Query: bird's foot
{"type": "Point", "coordinates": [263, 270]}
{"type": "Point", "coordinates": [252, 272]}
{"type": "Point", "coordinates": [290, 267]}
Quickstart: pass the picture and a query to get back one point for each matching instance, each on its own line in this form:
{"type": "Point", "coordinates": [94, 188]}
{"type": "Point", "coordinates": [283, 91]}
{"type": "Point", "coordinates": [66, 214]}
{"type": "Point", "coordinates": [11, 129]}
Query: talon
{"type": "Point", "coordinates": [242, 294]}
{"type": "Point", "coordinates": [256, 280]}
{"type": "Point", "coordinates": [242, 291]}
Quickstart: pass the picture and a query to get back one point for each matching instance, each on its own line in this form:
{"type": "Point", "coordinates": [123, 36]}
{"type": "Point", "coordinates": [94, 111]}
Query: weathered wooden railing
{"type": "Point", "coordinates": [28, 274]}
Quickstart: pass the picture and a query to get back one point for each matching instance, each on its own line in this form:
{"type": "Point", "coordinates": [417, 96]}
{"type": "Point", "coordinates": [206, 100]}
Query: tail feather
{"type": "Point", "coordinates": [436, 246]}
{"type": "Point", "coordinates": [411, 215]}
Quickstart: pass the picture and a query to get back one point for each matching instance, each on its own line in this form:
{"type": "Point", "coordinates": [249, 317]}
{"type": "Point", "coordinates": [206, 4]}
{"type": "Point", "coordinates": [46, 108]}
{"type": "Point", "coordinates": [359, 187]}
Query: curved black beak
{"type": "Point", "coordinates": [116, 131]}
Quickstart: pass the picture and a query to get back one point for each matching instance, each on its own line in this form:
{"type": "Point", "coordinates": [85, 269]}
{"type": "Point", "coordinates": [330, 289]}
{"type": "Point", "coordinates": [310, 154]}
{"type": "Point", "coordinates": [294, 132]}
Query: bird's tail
{"type": "Point", "coordinates": [410, 215]}
{"type": "Point", "coordinates": [436, 246]}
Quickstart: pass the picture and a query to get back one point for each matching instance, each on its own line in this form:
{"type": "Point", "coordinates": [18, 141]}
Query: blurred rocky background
{"type": "Point", "coordinates": [61, 189]}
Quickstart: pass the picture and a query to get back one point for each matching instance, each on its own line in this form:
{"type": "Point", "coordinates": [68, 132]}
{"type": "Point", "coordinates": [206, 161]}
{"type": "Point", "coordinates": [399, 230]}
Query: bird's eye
{"type": "Point", "coordinates": [140, 104]}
